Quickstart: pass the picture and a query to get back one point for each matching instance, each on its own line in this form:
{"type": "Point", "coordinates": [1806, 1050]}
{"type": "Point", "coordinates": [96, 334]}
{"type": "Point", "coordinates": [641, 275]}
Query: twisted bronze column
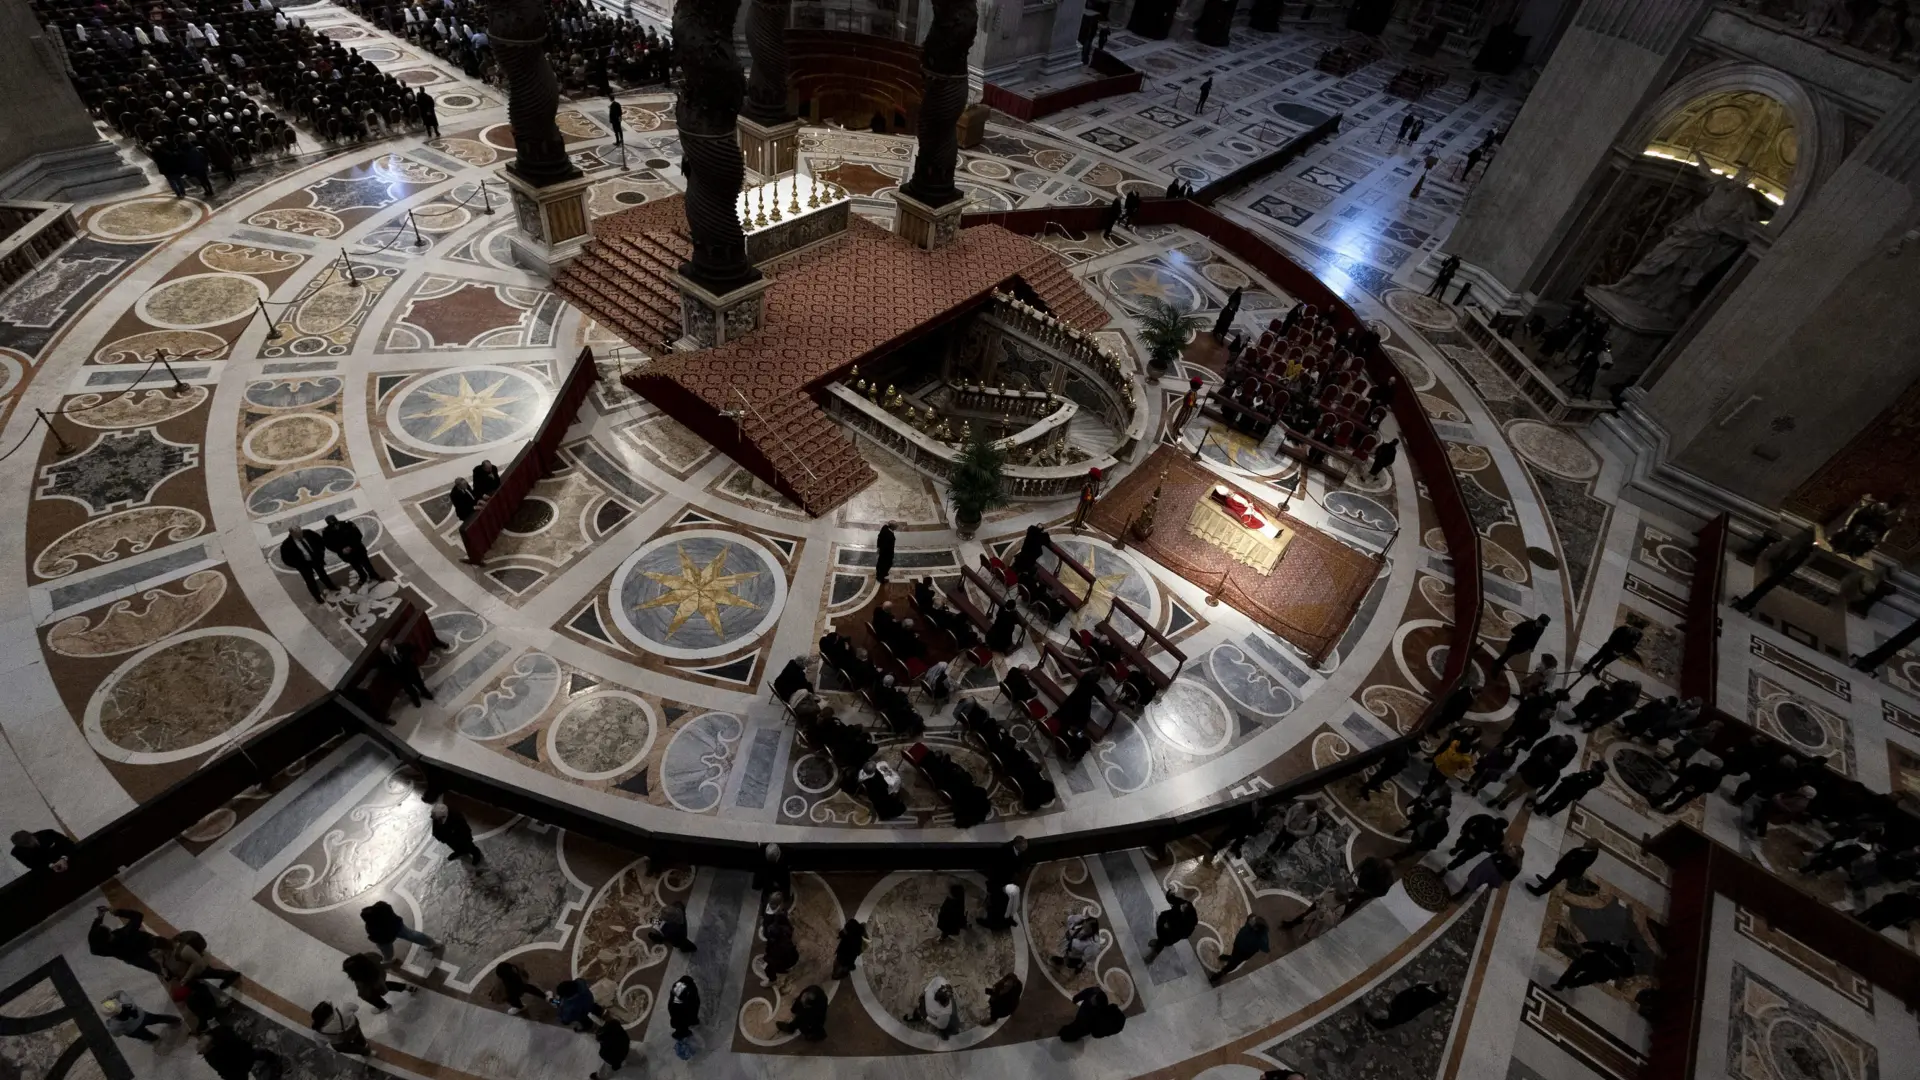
{"type": "Point", "coordinates": [711, 86]}
{"type": "Point", "coordinates": [943, 74]}
{"type": "Point", "coordinates": [767, 81]}
{"type": "Point", "coordinates": [517, 30]}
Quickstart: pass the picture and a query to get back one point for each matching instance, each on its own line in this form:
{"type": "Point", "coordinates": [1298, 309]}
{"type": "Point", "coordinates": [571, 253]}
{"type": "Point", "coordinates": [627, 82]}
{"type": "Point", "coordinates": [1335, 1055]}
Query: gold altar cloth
{"type": "Point", "coordinates": [1259, 549]}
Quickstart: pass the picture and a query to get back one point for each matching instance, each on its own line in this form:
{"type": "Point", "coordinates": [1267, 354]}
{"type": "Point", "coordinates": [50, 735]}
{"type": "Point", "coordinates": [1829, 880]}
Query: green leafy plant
{"type": "Point", "coordinates": [1164, 329]}
{"type": "Point", "coordinates": [974, 484]}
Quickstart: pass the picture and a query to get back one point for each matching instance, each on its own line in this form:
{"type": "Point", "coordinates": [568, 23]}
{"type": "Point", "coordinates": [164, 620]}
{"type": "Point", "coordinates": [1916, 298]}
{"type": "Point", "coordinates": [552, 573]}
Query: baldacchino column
{"type": "Point", "coordinates": [720, 291]}
{"type": "Point", "coordinates": [549, 194]}
{"type": "Point", "coordinates": [769, 134]}
{"type": "Point", "coordinates": [929, 203]}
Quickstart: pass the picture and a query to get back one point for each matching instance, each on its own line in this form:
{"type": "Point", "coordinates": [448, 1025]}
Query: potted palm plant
{"type": "Point", "coordinates": [974, 484]}
{"type": "Point", "coordinates": [1165, 329]}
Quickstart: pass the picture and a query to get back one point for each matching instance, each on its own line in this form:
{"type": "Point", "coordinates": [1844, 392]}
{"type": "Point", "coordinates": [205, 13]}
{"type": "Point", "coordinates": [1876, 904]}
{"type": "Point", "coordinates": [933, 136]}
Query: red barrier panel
{"type": "Point", "coordinates": [1118, 78]}
{"type": "Point", "coordinates": [1700, 656]}
{"type": "Point", "coordinates": [540, 456]}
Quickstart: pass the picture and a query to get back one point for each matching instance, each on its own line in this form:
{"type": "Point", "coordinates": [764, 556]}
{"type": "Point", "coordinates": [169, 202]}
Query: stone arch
{"type": "Point", "coordinates": [1817, 124]}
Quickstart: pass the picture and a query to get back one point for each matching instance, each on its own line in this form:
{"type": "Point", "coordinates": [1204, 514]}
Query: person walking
{"type": "Point", "coordinates": [1423, 835]}
{"type": "Point", "coordinates": [368, 970]}
{"type": "Point", "coordinates": [883, 563]}
{"type": "Point", "coordinates": [1479, 834]}
{"type": "Point", "coordinates": [1383, 456]}
{"type": "Point", "coordinates": [574, 1006]}
{"type": "Point", "coordinates": [1206, 88]}
{"type": "Point", "coordinates": [613, 124]}
{"type": "Point", "coordinates": [615, 1045]}
{"type": "Point", "coordinates": [1449, 266]}
{"type": "Point", "coordinates": [936, 1007]}
{"type": "Point", "coordinates": [846, 952]}
{"type": "Point", "coordinates": [128, 943]}
{"type": "Point", "coordinates": [1080, 943]}
{"type": "Point", "coordinates": [1535, 774]}
{"type": "Point", "coordinates": [1524, 638]}
{"type": "Point", "coordinates": [809, 1016]}
{"type": "Point", "coordinates": [183, 959]}
{"type": "Point", "coordinates": [1174, 925]}
{"type": "Point", "coordinates": [294, 552]}
{"type": "Point", "coordinates": [1622, 642]}
{"type": "Point", "coordinates": [1696, 778]}
{"type": "Point", "coordinates": [1088, 1005]}
{"type": "Point", "coordinates": [1002, 899]}
{"type": "Point", "coordinates": [130, 1021]}
{"type": "Point", "coordinates": [451, 828]}
{"type": "Point", "coordinates": [1571, 867]}
{"type": "Point", "coordinates": [1003, 997]}
{"type": "Point", "coordinates": [1110, 219]}
{"type": "Point", "coordinates": [1251, 938]}
{"type": "Point", "coordinates": [1571, 789]}
{"type": "Point", "coordinates": [773, 874]}
{"type": "Point", "coordinates": [1406, 125]}
{"type": "Point", "coordinates": [340, 1026]}
{"type": "Point", "coordinates": [952, 917]}
{"type": "Point", "coordinates": [385, 926]}
{"type": "Point", "coordinates": [672, 928]}
{"type": "Point", "coordinates": [199, 166]}
{"type": "Point", "coordinates": [1408, 1004]}
{"type": "Point", "coordinates": [429, 114]}
{"type": "Point", "coordinates": [782, 955]}
{"type": "Point", "coordinates": [1599, 961]}
{"type": "Point", "coordinates": [1493, 871]}
{"type": "Point", "coordinates": [683, 1007]}
{"type": "Point", "coordinates": [1896, 909]}
{"type": "Point", "coordinates": [515, 985]}
{"type": "Point", "coordinates": [1491, 766]}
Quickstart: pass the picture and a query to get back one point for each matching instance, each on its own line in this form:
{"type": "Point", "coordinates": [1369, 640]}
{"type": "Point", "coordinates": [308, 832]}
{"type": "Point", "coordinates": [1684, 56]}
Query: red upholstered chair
{"type": "Point", "coordinates": [916, 753]}
{"type": "Point", "coordinates": [1280, 399]}
{"type": "Point", "coordinates": [1274, 326]}
{"type": "Point", "coordinates": [980, 655]}
{"type": "Point", "coordinates": [1368, 444]}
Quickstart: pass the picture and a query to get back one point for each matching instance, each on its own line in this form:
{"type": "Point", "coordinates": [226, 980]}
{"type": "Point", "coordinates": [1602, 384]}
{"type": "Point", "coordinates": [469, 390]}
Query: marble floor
{"type": "Point", "coordinates": [154, 624]}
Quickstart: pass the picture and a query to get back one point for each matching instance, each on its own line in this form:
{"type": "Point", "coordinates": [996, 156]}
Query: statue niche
{"type": "Point", "coordinates": [1664, 287]}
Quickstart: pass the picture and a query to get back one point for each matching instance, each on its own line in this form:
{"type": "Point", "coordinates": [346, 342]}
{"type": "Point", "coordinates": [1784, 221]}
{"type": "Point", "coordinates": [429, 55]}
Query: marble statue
{"type": "Point", "coordinates": [1660, 287]}
{"type": "Point", "coordinates": [1865, 526]}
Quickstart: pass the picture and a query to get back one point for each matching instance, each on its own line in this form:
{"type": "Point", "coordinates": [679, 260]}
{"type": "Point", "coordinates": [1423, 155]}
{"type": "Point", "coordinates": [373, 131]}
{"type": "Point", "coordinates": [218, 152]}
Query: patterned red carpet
{"type": "Point", "coordinates": [1308, 599]}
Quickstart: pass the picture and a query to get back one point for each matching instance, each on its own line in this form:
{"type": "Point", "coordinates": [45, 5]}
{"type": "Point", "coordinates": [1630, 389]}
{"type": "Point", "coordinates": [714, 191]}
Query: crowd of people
{"type": "Point", "coordinates": [1307, 375]}
{"type": "Point", "coordinates": [591, 51]}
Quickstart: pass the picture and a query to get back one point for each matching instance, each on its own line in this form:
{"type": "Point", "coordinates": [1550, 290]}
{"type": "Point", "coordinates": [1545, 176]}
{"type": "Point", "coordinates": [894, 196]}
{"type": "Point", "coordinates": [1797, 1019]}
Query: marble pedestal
{"type": "Point", "coordinates": [1639, 333]}
{"type": "Point", "coordinates": [553, 221]}
{"type": "Point", "coordinates": [769, 151]}
{"type": "Point", "coordinates": [708, 319]}
{"type": "Point", "coordinates": [926, 226]}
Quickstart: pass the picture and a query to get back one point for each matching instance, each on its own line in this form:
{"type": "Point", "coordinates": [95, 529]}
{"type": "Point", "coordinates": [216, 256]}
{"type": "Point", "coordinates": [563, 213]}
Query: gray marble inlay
{"type": "Point", "coordinates": [301, 519]}
{"type": "Point", "coordinates": [273, 835]}
{"type": "Point", "coordinates": [758, 773]}
{"type": "Point", "coordinates": [1138, 906]}
{"type": "Point", "coordinates": [297, 366]}
{"type": "Point", "coordinates": [166, 563]}
{"type": "Point", "coordinates": [273, 239]}
{"type": "Point", "coordinates": [470, 669]}
{"type": "Point", "coordinates": [1277, 659]}
{"type": "Point", "coordinates": [1360, 728]}
{"type": "Point", "coordinates": [157, 377]}
{"type": "Point", "coordinates": [611, 474]}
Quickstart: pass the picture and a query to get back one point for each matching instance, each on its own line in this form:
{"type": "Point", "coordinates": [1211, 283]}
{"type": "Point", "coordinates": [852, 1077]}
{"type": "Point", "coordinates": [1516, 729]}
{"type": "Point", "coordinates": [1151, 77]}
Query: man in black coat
{"type": "Point", "coordinates": [128, 943]}
{"type": "Point", "coordinates": [1572, 788]}
{"type": "Point", "coordinates": [1523, 639]}
{"type": "Point", "coordinates": [883, 565]}
{"type": "Point", "coordinates": [1383, 456]}
{"type": "Point", "coordinates": [402, 664]}
{"type": "Point", "coordinates": [1175, 924]}
{"type": "Point", "coordinates": [450, 827]}
{"type": "Point", "coordinates": [303, 551]}
{"type": "Point", "coordinates": [1571, 867]}
{"type": "Point", "coordinates": [44, 850]}
{"type": "Point", "coordinates": [344, 539]}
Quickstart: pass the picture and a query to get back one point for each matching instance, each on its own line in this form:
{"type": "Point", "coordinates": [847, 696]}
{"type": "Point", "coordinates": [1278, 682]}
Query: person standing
{"type": "Point", "coordinates": [1001, 902]}
{"type": "Point", "coordinates": [1080, 943]}
{"type": "Point", "coordinates": [199, 167]}
{"type": "Point", "coordinates": [615, 1045]}
{"type": "Point", "coordinates": [1206, 88]}
{"type": "Point", "coordinates": [1525, 637]}
{"type": "Point", "coordinates": [1572, 788]}
{"type": "Point", "coordinates": [613, 123]}
{"type": "Point", "coordinates": [183, 959]}
{"type": "Point", "coordinates": [809, 1016]}
{"type": "Point", "coordinates": [672, 928]}
{"type": "Point", "coordinates": [465, 502]}
{"type": "Point", "coordinates": [294, 553]}
{"type": "Point", "coordinates": [450, 827]}
{"type": "Point", "coordinates": [1448, 267]}
{"type": "Point", "coordinates": [130, 1021]}
{"type": "Point", "coordinates": [952, 917]}
{"type": "Point", "coordinates": [232, 1057]}
{"type": "Point", "coordinates": [883, 563]}
{"type": "Point", "coordinates": [1384, 456]}
{"type": "Point", "coordinates": [1088, 1004]}
{"type": "Point", "coordinates": [683, 1007]}
{"type": "Point", "coordinates": [128, 943]}
{"type": "Point", "coordinates": [1175, 924]}
{"type": "Point", "coordinates": [846, 952]}
{"type": "Point", "coordinates": [1493, 871]}
{"type": "Point", "coordinates": [315, 551]}
{"type": "Point", "coordinates": [340, 1026]}
{"type": "Point", "coordinates": [1251, 938]}
{"type": "Point", "coordinates": [574, 1006]}
{"type": "Point", "coordinates": [1571, 867]}
{"type": "Point", "coordinates": [1110, 220]}
{"type": "Point", "coordinates": [773, 875]}
{"type": "Point", "coordinates": [385, 926]}
{"type": "Point", "coordinates": [43, 851]}
{"type": "Point", "coordinates": [1389, 766]}
{"type": "Point", "coordinates": [937, 1008]}
{"type": "Point", "coordinates": [515, 985]}
{"type": "Point", "coordinates": [1479, 833]}
{"type": "Point", "coordinates": [1599, 961]}
{"type": "Point", "coordinates": [344, 539]}
{"type": "Point", "coordinates": [1624, 639]}
{"type": "Point", "coordinates": [429, 115]}
{"type": "Point", "coordinates": [369, 974]}
{"type": "Point", "coordinates": [782, 955]}
{"type": "Point", "coordinates": [1896, 909]}
{"type": "Point", "coordinates": [400, 662]}
{"type": "Point", "coordinates": [1408, 1004]}
{"type": "Point", "coordinates": [1543, 674]}
{"type": "Point", "coordinates": [1535, 774]}
{"type": "Point", "coordinates": [1003, 997]}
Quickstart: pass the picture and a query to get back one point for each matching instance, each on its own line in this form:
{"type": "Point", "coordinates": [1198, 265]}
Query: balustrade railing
{"type": "Point", "coordinates": [38, 230]}
{"type": "Point", "coordinates": [936, 459]}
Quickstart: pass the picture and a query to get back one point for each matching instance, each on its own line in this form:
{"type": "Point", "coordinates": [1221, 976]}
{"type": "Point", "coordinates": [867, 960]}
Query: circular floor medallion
{"type": "Point", "coordinates": [198, 301]}
{"type": "Point", "coordinates": [1557, 451]}
{"type": "Point", "coordinates": [533, 515]}
{"type": "Point", "coordinates": [467, 409]}
{"type": "Point", "coordinates": [140, 220]}
{"type": "Point", "coordinates": [1423, 312]}
{"type": "Point", "coordinates": [697, 593]}
{"type": "Point", "coordinates": [1425, 888]}
{"type": "Point", "coordinates": [601, 735]}
{"type": "Point", "coordinates": [284, 440]}
{"type": "Point", "coordinates": [185, 696]}
{"type": "Point", "coordinates": [1192, 719]}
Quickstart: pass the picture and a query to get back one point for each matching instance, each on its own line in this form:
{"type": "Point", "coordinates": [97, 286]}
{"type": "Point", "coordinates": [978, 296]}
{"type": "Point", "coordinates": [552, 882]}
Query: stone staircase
{"type": "Point", "coordinates": [814, 454]}
{"type": "Point", "coordinates": [622, 280]}
{"type": "Point", "coordinates": [1065, 297]}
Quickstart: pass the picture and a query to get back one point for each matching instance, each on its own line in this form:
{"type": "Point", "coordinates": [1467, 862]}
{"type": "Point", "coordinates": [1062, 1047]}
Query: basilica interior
{"type": "Point", "coordinates": [1176, 539]}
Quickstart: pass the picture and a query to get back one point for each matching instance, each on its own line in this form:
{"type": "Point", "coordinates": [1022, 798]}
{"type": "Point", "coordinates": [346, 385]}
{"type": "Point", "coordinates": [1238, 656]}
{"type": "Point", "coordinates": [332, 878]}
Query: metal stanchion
{"type": "Point", "coordinates": [352, 281]}
{"type": "Point", "coordinates": [273, 330]}
{"type": "Point", "coordinates": [486, 197]}
{"type": "Point", "coordinates": [179, 384]}
{"type": "Point", "coordinates": [59, 439]}
{"type": "Point", "coordinates": [418, 240]}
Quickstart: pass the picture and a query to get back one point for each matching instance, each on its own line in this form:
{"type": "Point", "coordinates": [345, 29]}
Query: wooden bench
{"type": "Point", "coordinates": [1135, 654]}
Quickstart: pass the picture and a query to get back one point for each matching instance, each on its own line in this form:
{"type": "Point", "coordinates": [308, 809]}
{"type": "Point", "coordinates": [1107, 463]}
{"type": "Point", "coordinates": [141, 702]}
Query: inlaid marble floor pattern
{"type": "Point", "coordinates": [616, 653]}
